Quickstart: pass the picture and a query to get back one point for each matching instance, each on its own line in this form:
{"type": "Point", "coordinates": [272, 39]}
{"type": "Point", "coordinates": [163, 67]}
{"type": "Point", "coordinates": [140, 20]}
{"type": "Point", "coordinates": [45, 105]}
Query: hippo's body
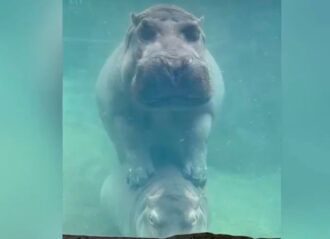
{"type": "Point", "coordinates": [168, 204]}
{"type": "Point", "coordinates": [158, 94]}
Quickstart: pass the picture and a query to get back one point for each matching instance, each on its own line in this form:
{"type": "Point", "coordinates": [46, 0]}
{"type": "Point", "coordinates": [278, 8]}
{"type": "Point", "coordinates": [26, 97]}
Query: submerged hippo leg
{"type": "Point", "coordinates": [195, 168]}
{"type": "Point", "coordinates": [133, 152]}
{"type": "Point", "coordinates": [194, 150]}
{"type": "Point", "coordinates": [139, 167]}
{"type": "Point", "coordinates": [137, 175]}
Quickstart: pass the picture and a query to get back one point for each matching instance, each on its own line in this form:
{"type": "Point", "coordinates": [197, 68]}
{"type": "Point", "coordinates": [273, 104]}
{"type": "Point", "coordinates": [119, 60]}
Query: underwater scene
{"type": "Point", "coordinates": [180, 131]}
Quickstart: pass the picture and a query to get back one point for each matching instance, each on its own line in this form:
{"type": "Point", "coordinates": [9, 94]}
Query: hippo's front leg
{"type": "Point", "coordinates": [194, 150]}
{"type": "Point", "coordinates": [138, 171]}
{"type": "Point", "coordinates": [194, 164]}
{"type": "Point", "coordinates": [133, 151]}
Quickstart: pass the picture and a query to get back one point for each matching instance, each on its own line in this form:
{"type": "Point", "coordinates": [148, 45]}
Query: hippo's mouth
{"type": "Point", "coordinates": [155, 84]}
{"type": "Point", "coordinates": [178, 101]}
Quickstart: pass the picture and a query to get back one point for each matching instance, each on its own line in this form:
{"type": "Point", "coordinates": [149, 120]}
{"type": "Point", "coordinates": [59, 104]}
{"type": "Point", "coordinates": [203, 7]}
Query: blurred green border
{"type": "Point", "coordinates": [30, 119]}
{"type": "Point", "coordinates": [306, 112]}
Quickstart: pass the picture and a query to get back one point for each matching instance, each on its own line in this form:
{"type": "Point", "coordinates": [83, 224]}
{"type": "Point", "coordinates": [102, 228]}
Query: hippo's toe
{"type": "Point", "coordinates": [138, 176]}
{"type": "Point", "coordinates": [197, 174]}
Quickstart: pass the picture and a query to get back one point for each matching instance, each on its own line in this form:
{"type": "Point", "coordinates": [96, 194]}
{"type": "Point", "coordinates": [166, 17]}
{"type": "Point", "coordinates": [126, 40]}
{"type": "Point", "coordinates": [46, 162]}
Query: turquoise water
{"type": "Point", "coordinates": [244, 186]}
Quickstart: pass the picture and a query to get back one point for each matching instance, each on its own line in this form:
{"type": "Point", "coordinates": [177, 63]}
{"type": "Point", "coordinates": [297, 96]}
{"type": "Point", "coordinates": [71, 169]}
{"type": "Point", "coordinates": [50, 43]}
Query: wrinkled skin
{"type": "Point", "coordinates": [169, 204]}
{"type": "Point", "coordinates": [159, 92]}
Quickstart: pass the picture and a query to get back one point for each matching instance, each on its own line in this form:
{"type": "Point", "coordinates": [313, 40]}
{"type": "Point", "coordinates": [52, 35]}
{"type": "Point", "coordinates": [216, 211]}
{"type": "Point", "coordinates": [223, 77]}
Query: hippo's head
{"type": "Point", "coordinates": [174, 209]}
{"type": "Point", "coordinates": [165, 49]}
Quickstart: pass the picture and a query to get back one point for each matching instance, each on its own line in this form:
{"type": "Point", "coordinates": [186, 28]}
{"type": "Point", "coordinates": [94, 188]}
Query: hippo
{"type": "Point", "coordinates": [166, 205]}
{"type": "Point", "coordinates": [158, 93]}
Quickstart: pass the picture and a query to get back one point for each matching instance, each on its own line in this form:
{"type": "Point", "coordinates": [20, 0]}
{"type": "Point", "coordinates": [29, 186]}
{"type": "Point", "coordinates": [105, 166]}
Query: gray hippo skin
{"type": "Point", "coordinates": [158, 93]}
{"type": "Point", "coordinates": [168, 204]}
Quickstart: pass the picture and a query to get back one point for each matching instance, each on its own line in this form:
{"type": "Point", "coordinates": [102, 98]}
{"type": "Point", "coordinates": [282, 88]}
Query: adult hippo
{"type": "Point", "coordinates": [158, 92]}
{"type": "Point", "coordinates": [168, 204]}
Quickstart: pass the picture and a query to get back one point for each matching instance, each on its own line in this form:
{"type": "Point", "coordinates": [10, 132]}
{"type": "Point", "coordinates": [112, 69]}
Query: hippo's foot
{"type": "Point", "coordinates": [137, 176]}
{"type": "Point", "coordinates": [196, 173]}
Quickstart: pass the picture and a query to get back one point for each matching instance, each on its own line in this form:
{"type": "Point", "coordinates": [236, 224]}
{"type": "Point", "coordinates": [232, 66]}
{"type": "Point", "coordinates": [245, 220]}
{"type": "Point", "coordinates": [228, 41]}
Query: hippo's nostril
{"type": "Point", "coordinates": [153, 218]}
{"type": "Point", "coordinates": [192, 219]}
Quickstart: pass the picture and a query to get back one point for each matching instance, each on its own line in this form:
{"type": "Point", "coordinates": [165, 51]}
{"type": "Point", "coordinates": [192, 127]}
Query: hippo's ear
{"type": "Point", "coordinates": [134, 19]}
{"type": "Point", "coordinates": [201, 20]}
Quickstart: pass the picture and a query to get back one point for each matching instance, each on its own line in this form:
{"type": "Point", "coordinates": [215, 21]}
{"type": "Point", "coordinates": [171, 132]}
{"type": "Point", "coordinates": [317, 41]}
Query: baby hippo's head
{"type": "Point", "coordinates": [172, 210]}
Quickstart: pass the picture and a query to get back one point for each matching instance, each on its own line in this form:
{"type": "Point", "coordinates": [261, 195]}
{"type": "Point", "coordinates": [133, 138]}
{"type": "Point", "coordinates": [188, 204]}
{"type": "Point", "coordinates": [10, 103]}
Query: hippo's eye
{"type": "Point", "coordinates": [147, 32]}
{"type": "Point", "coordinates": [191, 32]}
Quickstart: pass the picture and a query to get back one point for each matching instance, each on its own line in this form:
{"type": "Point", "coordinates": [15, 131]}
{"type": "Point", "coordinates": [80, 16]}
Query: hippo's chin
{"type": "Point", "coordinates": [175, 102]}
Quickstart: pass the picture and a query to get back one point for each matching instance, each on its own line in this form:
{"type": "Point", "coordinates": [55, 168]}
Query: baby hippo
{"type": "Point", "coordinates": [168, 204]}
{"type": "Point", "coordinates": [159, 92]}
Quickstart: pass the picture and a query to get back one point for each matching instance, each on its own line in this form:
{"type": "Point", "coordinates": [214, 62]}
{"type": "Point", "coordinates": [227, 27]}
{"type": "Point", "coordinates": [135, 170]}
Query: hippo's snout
{"type": "Point", "coordinates": [175, 209]}
{"type": "Point", "coordinates": [165, 80]}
